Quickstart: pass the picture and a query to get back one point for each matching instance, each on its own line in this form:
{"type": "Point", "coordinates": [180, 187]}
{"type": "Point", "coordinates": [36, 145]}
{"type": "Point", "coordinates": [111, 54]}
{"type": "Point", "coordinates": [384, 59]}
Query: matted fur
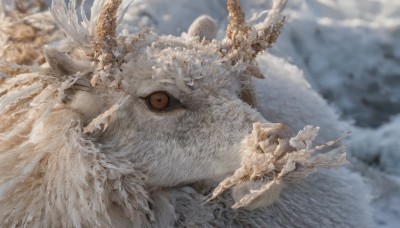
{"type": "Point", "coordinates": [49, 160]}
{"type": "Point", "coordinates": [24, 29]}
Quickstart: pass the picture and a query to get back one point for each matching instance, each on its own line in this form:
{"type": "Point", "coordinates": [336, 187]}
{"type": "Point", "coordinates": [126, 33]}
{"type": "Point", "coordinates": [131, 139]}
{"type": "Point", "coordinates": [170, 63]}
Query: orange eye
{"type": "Point", "coordinates": [158, 100]}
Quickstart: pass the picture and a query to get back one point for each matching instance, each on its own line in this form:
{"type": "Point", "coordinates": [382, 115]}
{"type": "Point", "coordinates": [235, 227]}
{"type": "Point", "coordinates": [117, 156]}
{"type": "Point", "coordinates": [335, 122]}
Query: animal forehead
{"type": "Point", "coordinates": [184, 51]}
{"type": "Point", "coordinates": [181, 63]}
{"type": "Point", "coordinates": [190, 66]}
{"type": "Point", "coordinates": [174, 57]}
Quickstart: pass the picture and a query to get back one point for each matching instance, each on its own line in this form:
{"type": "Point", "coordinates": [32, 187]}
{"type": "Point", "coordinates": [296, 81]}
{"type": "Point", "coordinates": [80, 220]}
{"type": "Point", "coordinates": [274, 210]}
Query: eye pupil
{"type": "Point", "coordinates": [158, 100]}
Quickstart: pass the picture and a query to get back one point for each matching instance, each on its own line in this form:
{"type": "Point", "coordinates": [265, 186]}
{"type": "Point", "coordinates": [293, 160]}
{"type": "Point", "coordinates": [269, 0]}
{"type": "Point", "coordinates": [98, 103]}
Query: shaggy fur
{"type": "Point", "coordinates": [24, 30]}
{"type": "Point", "coordinates": [81, 147]}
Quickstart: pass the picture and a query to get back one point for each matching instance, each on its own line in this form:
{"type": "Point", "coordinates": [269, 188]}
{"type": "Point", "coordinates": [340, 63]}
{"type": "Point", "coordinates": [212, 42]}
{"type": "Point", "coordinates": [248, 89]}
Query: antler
{"type": "Point", "coordinates": [246, 42]}
{"type": "Point", "coordinates": [269, 30]}
{"type": "Point", "coordinates": [105, 38]}
{"type": "Point", "coordinates": [237, 21]}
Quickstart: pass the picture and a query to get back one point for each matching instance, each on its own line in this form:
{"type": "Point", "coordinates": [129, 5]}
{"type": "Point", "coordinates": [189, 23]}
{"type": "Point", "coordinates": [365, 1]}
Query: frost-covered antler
{"type": "Point", "coordinates": [104, 37]}
{"type": "Point", "coordinates": [104, 14]}
{"type": "Point", "coordinates": [237, 21]}
{"type": "Point", "coordinates": [247, 42]}
{"type": "Point", "coordinates": [96, 36]}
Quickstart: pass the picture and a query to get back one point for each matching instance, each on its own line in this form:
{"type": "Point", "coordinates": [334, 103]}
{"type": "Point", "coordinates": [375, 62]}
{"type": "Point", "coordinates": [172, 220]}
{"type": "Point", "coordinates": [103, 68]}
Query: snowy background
{"type": "Point", "coordinates": [349, 50]}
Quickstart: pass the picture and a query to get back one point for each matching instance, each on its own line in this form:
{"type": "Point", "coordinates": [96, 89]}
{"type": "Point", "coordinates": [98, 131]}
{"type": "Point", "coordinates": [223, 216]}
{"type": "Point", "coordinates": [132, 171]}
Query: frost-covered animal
{"type": "Point", "coordinates": [135, 130]}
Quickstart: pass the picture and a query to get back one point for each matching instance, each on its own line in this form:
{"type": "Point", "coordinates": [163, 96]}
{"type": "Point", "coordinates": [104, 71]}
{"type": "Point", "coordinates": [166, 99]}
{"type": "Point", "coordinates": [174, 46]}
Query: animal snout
{"type": "Point", "coordinates": [271, 132]}
{"type": "Point", "coordinates": [266, 137]}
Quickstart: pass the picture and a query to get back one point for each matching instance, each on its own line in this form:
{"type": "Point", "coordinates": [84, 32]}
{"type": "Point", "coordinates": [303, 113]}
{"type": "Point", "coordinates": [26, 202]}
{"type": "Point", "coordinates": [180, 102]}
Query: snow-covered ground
{"type": "Point", "coordinates": [349, 50]}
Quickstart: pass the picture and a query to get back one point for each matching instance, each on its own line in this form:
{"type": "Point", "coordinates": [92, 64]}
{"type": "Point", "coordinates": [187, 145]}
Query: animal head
{"type": "Point", "coordinates": [184, 103]}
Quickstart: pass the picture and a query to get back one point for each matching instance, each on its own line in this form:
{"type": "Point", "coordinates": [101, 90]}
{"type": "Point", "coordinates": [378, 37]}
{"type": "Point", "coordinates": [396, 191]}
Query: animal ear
{"type": "Point", "coordinates": [203, 27]}
{"type": "Point", "coordinates": [62, 64]}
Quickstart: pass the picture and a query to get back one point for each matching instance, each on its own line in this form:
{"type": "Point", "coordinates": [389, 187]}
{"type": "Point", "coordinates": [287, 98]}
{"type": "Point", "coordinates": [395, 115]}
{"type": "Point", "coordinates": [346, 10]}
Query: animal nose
{"type": "Point", "coordinates": [271, 132]}
{"type": "Point", "coordinates": [266, 137]}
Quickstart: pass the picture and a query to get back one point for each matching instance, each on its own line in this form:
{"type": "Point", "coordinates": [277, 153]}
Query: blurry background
{"type": "Point", "coordinates": [349, 50]}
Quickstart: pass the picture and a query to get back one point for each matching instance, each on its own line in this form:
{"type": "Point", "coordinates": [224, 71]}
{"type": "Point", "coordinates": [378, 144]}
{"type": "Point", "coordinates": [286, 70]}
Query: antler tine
{"type": "Point", "coordinates": [270, 29]}
{"type": "Point", "coordinates": [268, 37]}
{"type": "Point", "coordinates": [105, 36]}
{"type": "Point", "coordinates": [237, 19]}
{"type": "Point", "coordinates": [241, 35]}
{"type": "Point", "coordinates": [274, 14]}
{"type": "Point", "coordinates": [247, 42]}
